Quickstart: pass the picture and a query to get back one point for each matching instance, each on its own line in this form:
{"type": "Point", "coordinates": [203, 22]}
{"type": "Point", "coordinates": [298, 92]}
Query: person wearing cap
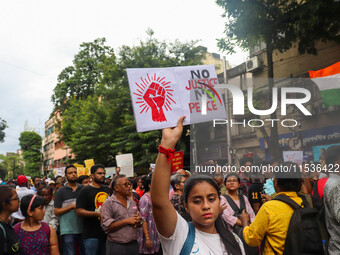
{"type": "Point", "coordinates": [22, 191]}
{"type": "Point", "coordinates": [51, 184]}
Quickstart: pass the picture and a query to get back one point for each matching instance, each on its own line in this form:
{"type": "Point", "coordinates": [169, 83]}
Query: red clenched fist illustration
{"type": "Point", "coordinates": [155, 97]}
{"type": "Point", "coordinates": [155, 93]}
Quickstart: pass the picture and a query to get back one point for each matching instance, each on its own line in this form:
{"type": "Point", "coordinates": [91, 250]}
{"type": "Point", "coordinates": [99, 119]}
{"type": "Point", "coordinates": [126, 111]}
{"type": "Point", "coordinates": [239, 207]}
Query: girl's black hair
{"type": "Point", "coordinates": [232, 174]}
{"type": "Point", "coordinates": [25, 202]}
{"type": "Point", "coordinates": [228, 239]}
{"type": "Point", "coordinates": [5, 196]}
{"type": "Point", "coordinates": [194, 180]}
{"type": "Point", "coordinates": [147, 182]}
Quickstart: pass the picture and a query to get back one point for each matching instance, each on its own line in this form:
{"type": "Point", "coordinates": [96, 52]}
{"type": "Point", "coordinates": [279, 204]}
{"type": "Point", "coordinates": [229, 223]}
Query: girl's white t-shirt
{"type": "Point", "coordinates": [204, 244]}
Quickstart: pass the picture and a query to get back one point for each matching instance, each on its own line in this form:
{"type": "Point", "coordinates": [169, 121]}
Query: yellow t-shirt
{"type": "Point", "coordinates": [271, 221]}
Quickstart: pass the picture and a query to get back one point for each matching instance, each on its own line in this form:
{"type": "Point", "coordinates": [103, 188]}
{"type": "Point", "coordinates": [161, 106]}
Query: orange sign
{"type": "Point", "coordinates": [177, 161]}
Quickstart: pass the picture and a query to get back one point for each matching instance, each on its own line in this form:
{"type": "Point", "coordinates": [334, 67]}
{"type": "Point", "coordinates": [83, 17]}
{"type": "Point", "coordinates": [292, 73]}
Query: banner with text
{"type": "Point", "coordinates": [160, 96]}
{"type": "Point", "coordinates": [293, 156]}
{"type": "Point", "coordinates": [177, 161]}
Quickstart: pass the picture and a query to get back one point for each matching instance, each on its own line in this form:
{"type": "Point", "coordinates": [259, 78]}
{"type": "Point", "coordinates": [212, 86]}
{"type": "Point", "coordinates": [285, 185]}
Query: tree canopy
{"type": "Point", "coordinates": [30, 143]}
{"type": "Point", "coordinates": [11, 166]}
{"type": "Point", "coordinates": [102, 125]}
{"type": "Point", "coordinates": [83, 77]}
{"type": "Point", "coordinates": [278, 24]}
{"type": "Point", "coordinates": [3, 126]}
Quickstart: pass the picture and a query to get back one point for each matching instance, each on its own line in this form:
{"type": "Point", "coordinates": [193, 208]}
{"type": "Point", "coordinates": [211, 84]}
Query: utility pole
{"type": "Point", "coordinates": [230, 160]}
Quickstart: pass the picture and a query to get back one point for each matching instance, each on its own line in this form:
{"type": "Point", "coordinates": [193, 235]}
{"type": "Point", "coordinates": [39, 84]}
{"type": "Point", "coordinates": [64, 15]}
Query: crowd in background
{"type": "Point", "coordinates": [101, 214]}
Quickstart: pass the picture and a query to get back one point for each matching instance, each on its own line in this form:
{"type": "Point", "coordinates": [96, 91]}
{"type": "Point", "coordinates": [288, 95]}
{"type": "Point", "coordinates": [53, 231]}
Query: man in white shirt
{"type": "Point", "coordinates": [21, 191]}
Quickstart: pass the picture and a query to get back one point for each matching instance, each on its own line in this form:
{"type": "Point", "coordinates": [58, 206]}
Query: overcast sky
{"type": "Point", "coordinates": [40, 37]}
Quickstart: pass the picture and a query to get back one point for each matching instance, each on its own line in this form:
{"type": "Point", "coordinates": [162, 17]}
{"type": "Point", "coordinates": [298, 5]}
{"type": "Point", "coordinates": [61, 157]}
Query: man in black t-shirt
{"type": "Point", "coordinates": [89, 204]}
{"type": "Point", "coordinates": [255, 191]}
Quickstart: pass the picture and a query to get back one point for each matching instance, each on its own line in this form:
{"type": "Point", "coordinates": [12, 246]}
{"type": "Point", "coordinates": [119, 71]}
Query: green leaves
{"type": "Point", "coordinates": [30, 143]}
{"type": "Point", "coordinates": [279, 23]}
{"type": "Point", "coordinates": [3, 126]}
{"type": "Point", "coordinates": [83, 78]}
{"type": "Point", "coordinates": [101, 124]}
{"type": "Point", "coordinates": [11, 166]}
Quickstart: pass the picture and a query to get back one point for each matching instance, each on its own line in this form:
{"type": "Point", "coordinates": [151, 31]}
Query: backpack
{"type": "Point", "coordinates": [238, 230]}
{"type": "Point", "coordinates": [237, 210]}
{"type": "Point", "coordinates": [303, 236]}
{"type": "Point", "coordinates": [189, 242]}
{"type": "Point", "coordinates": [5, 246]}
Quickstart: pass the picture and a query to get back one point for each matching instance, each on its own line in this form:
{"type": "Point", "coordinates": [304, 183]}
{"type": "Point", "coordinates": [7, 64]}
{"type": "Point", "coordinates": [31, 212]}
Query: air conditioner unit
{"type": "Point", "coordinates": [252, 64]}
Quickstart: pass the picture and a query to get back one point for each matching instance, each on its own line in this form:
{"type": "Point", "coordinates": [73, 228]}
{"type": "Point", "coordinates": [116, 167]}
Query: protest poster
{"type": "Point", "coordinates": [293, 156]}
{"type": "Point", "coordinates": [125, 162]}
{"type": "Point", "coordinates": [81, 170]}
{"type": "Point", "coordinates": [110, 171]}
{"type": "Point", "coordinates": [160, 96]}
{"type": "Point", "coordinates": [88, 164]}
{"type": "Point", "coordinates": [177, 161]}
{"type": "Point", "coordinates": [60, 171]}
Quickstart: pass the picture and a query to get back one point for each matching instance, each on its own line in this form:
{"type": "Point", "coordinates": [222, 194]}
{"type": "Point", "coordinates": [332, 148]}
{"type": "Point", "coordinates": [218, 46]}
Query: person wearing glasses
{"type": "Point", "coordinates": [9, 203]}
{"type": "Point", "coordinates": [120, 219]}
{"type": "Point", "coordinates": [89, 204]}
{"type": "Point", "coordinates": [236, 203]}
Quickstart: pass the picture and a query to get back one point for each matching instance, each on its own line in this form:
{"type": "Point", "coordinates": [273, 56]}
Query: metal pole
{"type": "Point", "coordinates": [194, 148]}
{"type": "Point", "coordinates": [230, 160]}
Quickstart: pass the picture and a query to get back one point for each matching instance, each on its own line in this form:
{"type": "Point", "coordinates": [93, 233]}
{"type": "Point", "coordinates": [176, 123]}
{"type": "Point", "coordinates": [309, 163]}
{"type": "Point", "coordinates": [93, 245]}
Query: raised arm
{"type": "Point", "coordinates": [164, 213]}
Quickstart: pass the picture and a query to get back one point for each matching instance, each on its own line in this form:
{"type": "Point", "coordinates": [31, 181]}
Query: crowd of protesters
{"type": "Point", "coordinates": [160, 213]}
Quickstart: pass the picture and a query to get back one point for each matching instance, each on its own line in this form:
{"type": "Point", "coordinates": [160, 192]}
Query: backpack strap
{"type": "Point", "coordinates": [232, 204]}
{"type": "Point", "coordinates": [3, 229]}
{"type": "Point", "coordinates": [189, 242]}
{"type": "Point", "coordinates": [287, 200]}
{"type": "Point", "coordinates": [242, 202]}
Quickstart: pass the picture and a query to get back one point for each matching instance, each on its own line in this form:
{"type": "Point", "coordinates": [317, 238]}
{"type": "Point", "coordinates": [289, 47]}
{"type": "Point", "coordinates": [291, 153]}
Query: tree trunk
{"type": "Point", "coordinates": [273, 144]}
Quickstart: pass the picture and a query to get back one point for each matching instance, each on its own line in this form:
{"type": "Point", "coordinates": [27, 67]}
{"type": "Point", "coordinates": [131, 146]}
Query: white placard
{"type": "Point", "coordinates": [125, 162]}
{"type": "Point", "coordinates": [293, 156]}
{"type": "Point", "coordinates": [61, 171]}
{"type": "Point", "coordinates": [110, 171]}
{"type": "Point", "coordinates": [160, 96]}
